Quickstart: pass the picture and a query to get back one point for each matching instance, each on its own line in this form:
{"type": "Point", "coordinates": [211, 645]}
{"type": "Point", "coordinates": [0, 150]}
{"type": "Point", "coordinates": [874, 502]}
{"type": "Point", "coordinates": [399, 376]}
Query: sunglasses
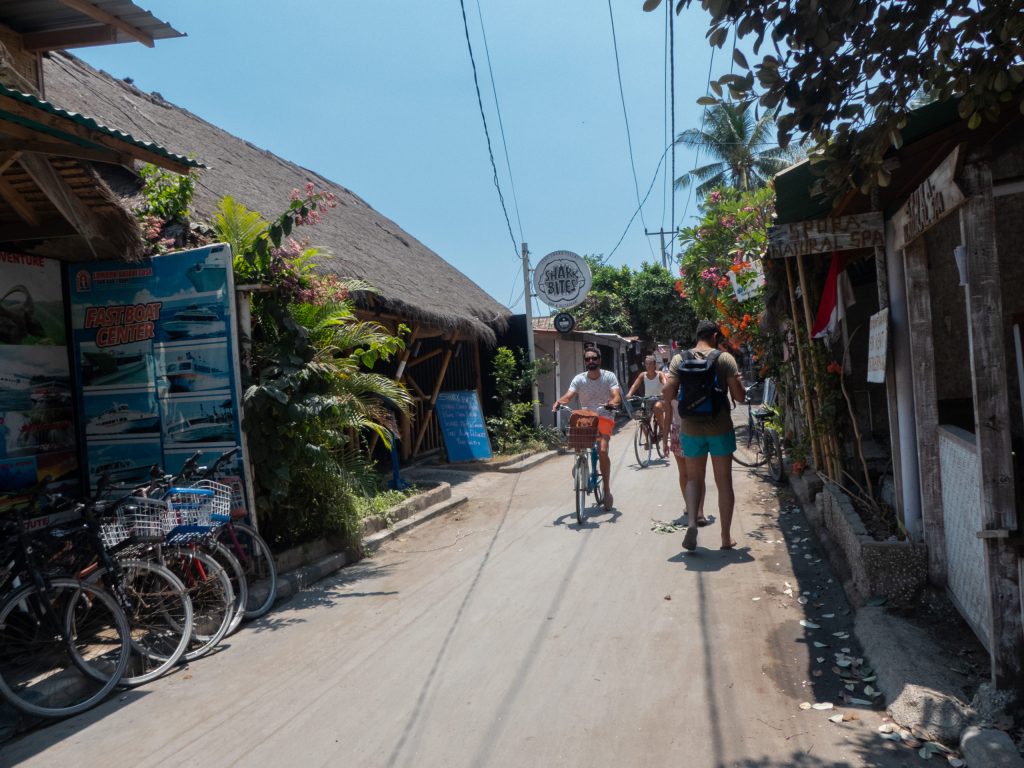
{"type": "Point", "coordinates": [591, 359]}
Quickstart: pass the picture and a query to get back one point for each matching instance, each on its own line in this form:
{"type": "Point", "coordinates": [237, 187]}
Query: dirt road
{"type": "Point", "coordinates": [506, 635]}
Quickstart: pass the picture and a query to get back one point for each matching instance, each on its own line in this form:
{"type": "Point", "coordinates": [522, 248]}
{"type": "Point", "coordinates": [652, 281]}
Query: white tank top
{"type": "Point", "coordinates": [652, 387]}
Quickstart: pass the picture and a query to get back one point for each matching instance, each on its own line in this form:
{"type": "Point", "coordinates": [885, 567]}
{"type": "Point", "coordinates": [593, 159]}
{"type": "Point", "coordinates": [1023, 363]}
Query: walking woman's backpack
{"type": "Point", "coordinates": [701, 394]}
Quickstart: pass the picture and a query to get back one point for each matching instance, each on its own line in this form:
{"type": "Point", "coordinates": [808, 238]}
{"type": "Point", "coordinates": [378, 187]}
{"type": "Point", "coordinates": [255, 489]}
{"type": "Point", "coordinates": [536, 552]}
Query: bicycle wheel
{"type": "Point", "coordinates": [239, 583]}
{"type": "Point", "coordinates": [643, 446]}
{"type": "Point", "coordinates": [772, 448]}
{"type": "Point", "coordinates": [62, 649]}
{"type": "Point", "coordinates": [748, 448]}
{"type": "Point", "coordinates": [257, 560]}
{"type": "Point", "coordinates": [213, 600]}
{"type": "Point", "coordinates": [580, 476]}
{"type": "Point", "coordinates": [657, 438]}
{"type": "Point", "coordinates": [159, 618]}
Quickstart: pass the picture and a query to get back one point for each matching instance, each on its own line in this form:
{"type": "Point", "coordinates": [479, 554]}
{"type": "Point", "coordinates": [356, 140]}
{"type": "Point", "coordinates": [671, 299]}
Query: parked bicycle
{"type": "Point", "coordinates": [581, 437]}
{"type": "Point", "coordinates": [757, 443]}
{"type": "Point", "coordinates": [64, 642]}
{"type": "Point", "coordinates": [648, 439]}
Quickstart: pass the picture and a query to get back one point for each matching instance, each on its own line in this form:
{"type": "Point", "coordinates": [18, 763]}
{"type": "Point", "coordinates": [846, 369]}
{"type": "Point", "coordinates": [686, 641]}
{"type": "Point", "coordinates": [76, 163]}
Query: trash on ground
{"type": "Point", "coordinates": [822, 705]}
{"type": "Point", "coordinates": [809, 624]}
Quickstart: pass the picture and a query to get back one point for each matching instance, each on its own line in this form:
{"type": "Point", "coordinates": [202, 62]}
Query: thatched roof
{"type": "Point", "coordinates": [412, 280]}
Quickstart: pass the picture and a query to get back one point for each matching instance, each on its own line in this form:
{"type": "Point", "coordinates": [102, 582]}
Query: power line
{"type": "Point", "coordinates": [696, 158]}
{"type": "Point", "coordinates": [640, 205]}
{"type": "Point", "coordinates": [629, 139]}
{"type": "Point", "coordinates": [515, 280]}
{"type": "Point", "coordinates": [501, 126]}
{"type": "Point", "coordinates": [490, 152]}
{"type": "Point", "coordinates": [664, 105]}
{"type": "Point", "coordinates": [672, 70]}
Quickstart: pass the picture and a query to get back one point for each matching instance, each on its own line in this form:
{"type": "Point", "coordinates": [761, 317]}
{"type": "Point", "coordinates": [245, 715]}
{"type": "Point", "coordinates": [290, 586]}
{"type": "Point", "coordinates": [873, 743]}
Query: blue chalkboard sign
{"type": "Point", "coordinates": [462, 425]}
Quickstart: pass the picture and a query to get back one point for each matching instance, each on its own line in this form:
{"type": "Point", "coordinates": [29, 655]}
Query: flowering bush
{"type": "Point", "coordinates": [726, 246]}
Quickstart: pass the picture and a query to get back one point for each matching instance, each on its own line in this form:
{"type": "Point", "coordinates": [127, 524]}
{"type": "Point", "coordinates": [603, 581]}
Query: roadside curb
{"type": "Point", "coordinates": [294, 581]}
{"type": "Point", "coordinates": [917, 689]}
{"type": "Point", "coordinates": [527, 462]}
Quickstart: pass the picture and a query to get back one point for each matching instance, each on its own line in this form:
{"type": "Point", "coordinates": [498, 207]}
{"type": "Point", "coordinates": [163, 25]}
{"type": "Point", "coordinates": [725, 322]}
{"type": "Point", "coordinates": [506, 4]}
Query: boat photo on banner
{"type": "Point", "coordinates": [37, 432]}
{"type": "Point", "coordinates": [155, 348]}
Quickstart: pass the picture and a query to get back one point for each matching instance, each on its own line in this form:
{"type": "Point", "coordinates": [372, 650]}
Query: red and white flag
{"type": "Point", "coordinates": [835, 298]}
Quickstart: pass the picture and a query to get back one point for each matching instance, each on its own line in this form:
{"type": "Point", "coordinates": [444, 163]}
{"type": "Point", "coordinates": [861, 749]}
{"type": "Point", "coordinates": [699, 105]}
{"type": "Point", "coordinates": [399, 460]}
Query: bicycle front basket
{"type": "Point", "coordinates": [137, 518]}
{"type": "Point", "coordinates": [582, 430]}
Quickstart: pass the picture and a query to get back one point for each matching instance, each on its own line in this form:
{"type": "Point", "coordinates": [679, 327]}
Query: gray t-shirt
{"type": "Point", "coordinates": [593, 393]}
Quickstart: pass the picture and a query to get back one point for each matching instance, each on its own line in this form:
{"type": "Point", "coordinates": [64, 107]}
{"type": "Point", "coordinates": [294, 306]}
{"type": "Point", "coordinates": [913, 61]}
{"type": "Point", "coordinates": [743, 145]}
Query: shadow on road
{"type": "Point", "coordinates": [707, 560]}
{"type": "Point", "coordinates": [569, 519]}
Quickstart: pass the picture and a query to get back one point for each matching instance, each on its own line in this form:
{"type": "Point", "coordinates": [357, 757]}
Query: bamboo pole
{"type": "Point", "coordinates": [826, 442]}
{"type": "Point", "coordinates": [805, 396]}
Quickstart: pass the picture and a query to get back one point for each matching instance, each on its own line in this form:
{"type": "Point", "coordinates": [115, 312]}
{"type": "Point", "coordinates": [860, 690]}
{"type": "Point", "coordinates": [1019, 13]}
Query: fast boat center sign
{"type": "Point", "coordinates": [562, 279]}
{"type": "Point", "coordinates": [155, 359]}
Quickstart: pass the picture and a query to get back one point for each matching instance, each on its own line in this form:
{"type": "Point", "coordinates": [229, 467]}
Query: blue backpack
{"type": "Point", "coordinates": [701, 395]}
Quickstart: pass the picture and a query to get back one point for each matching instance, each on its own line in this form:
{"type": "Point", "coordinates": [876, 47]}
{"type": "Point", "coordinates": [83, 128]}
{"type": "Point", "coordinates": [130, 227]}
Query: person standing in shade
{"type": "Point", "coordinates": [597, 390]}
{"type": "Point", "coordinates": [711, 434]}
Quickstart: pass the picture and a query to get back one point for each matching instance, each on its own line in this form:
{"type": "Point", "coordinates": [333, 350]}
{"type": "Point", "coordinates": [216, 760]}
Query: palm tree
{"type": "Point", "coordinates": [744, 156]}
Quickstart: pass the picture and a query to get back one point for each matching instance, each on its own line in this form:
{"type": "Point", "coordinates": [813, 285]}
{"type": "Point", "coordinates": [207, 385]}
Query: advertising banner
{"type": "Point", "coordinates": [155, 352]}
{"type": "Point", "coordinates": [37, 432]}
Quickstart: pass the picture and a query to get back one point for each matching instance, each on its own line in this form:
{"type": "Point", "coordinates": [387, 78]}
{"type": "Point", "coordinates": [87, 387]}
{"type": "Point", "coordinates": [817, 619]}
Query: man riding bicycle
{"type": "Point", "coordinates": [599, 391]}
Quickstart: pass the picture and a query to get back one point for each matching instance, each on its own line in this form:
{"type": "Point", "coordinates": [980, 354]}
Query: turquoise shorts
{"type": "Point", "coordinates": [695, 446]}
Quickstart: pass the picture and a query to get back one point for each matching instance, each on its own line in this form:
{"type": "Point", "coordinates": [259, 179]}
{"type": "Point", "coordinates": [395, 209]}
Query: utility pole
{"type": "Point", "coordinates": [665, 257]}
{"type": "Point", "coordinates": [530, 352]}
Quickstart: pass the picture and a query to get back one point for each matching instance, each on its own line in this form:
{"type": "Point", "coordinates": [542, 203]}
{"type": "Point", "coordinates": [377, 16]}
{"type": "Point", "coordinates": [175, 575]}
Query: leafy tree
{"type": "Point", "coordinates": [310, 398]}
{"type": "Point", "coordinates": [640, 303]}
{"type": "Point", "coordinates": [730, 239]}
{"type": "Point", "coordinates": [844, 73]}
{"type": "Point", "coordinates": [742, 146]}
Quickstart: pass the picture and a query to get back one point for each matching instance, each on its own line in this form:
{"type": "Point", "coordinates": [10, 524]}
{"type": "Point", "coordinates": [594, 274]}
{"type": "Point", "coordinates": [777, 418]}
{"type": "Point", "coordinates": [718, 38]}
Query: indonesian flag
{"type": "Point", "coordinates": [837, 296]}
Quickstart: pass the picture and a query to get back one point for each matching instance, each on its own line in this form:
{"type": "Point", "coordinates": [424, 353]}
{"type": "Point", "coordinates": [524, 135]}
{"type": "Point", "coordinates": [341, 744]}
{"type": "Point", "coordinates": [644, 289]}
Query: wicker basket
{"type": "Point", "coordinates": [582, 430]}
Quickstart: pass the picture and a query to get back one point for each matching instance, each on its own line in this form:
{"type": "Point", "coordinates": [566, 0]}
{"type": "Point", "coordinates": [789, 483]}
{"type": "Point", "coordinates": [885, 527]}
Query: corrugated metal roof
{"type": "Point", "coordinates": [794, 200]}
{"type": "Point", "coordinates": [33, 16]}
{"type": "Point", "coordinates": [84, 121]}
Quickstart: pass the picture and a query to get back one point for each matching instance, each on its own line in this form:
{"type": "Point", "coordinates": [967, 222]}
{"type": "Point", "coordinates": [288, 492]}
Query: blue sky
{"type": "Point", "coordinates": [378, 96]}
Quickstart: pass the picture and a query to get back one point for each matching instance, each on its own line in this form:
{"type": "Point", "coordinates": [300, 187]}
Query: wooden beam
{"type": "Point", "coordinates": [64, 149]}
{"type": "Point", "coordinates": [804, 396]}
{"type": "Point", "coordinates": [437, 390]}
{"type": "Point", "coordinates": [992, 420]}
{"type": "Point", "coordinates": [64, 199]}
{"type": "Point", "coordinates": [98, 14]}
{"type": "Point", "coordinates": [926, 409]}
{"type": "Point", "coordinates": [424, 358]}
{"type": "Point", "coordinates": [20, 205]}
{"type": "Point", "coordinates": [13, 233]}
{"type": "Point", "coordinates": [68, 126]}
{"type": "Point", "coordinates": [7, 159]}
{"type": "Point", "coordinates": [62, 39]}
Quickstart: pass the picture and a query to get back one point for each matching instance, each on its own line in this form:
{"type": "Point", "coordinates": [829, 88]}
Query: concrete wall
{"type": "Point", "coordinates": [961, 511]}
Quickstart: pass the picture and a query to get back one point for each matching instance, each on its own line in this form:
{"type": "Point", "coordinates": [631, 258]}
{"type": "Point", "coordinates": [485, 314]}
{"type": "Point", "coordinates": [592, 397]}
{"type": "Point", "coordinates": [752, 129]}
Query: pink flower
{"type": "Point", "coordinates": [715, 197]}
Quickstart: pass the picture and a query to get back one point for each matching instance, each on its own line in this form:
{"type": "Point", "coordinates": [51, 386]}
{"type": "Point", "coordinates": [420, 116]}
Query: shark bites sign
{"type": "Point", "coordinates": [562, 279]}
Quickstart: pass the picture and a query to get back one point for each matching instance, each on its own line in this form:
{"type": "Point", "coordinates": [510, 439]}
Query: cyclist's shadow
{"type": "Point", "coordinates": [594, 519]}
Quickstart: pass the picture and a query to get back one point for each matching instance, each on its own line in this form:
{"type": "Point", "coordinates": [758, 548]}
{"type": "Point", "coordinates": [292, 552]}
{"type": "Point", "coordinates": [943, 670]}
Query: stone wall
{"type": "Point", "coordinates": [896, 570]}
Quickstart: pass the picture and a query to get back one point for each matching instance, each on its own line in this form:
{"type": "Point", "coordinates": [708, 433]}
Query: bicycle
{"type": "Point", "coordinates": [647, 440]}
{"type": "Point", "coordinates": [154, 600]}
{"type": "Point", "coordinates": [581, 437]}
{"type": "Point", "coordinates": [243, 542]}
{"type": "Point", "coordinates": [757, 443]}
{"type": "Point", "coordinates": [64, 643]}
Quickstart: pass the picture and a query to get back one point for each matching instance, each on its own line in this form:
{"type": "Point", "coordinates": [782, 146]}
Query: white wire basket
{"type": "Point", "coordinates": [139, 519]}
{"type": "Point", "coordinates": [204, 503]}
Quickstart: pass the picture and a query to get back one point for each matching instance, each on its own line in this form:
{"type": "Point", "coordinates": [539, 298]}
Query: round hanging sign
{"type": "Point", "coordinates": [564, 322]}
{"type": "Point", "coordinates": [562, 279]}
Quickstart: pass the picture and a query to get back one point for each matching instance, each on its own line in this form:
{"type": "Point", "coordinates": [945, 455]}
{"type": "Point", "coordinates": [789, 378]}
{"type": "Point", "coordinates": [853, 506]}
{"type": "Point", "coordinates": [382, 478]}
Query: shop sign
{"type": "Point", "coordinates": [564, 322]}
{"type": "Point", "coordinates": [878, 339]}
{"type": "Point", "coordinates": [37, 423]}
{"type": "Point", "coordinates": [154, 348]}
{"type": "Point", "coordinates": [835, 233]}
{"type": "Point", "coordinates": [937, 197]}
{"type": "Point", "coordinates": [562, 279]}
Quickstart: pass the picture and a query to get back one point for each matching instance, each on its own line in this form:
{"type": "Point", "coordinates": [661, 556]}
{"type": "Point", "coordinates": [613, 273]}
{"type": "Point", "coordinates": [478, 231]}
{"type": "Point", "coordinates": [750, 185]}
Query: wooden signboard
{"type": "Point", "coordinates": [878, 346]}
{"type": "Point", "coordinates": [462, 426]}
{"type": "Point", "coordinates": [838, 233]}
{"type": "Point", "coordinates": [930, 203]}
